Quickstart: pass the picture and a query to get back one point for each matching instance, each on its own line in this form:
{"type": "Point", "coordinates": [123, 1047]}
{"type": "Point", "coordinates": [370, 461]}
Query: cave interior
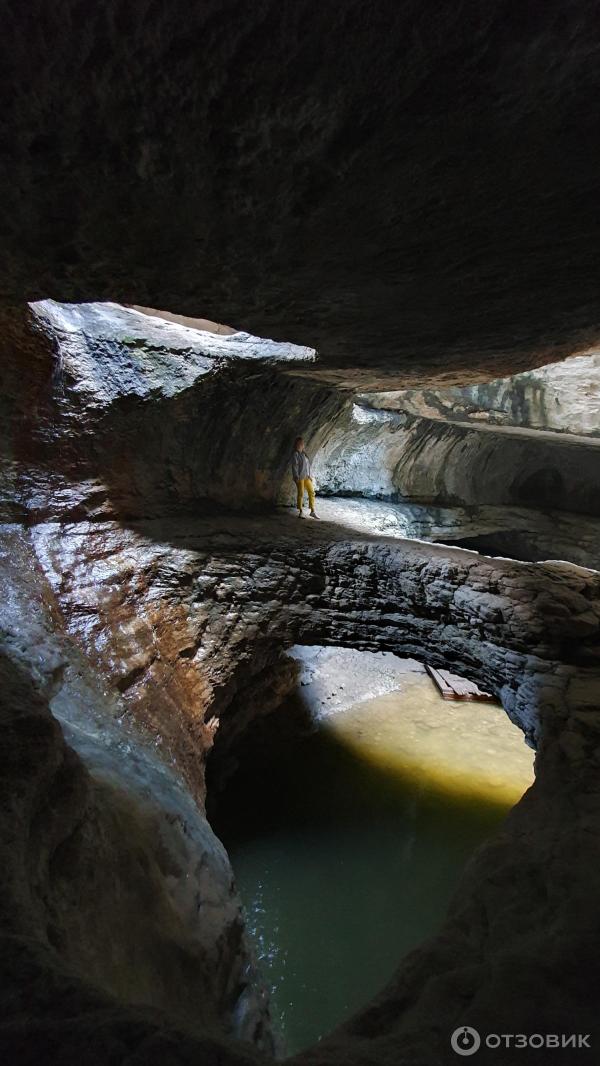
{"type": "Point", "coordinates": [227, 226]}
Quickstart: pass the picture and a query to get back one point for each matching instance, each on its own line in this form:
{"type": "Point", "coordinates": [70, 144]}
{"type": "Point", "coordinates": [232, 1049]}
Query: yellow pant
{"type": "Point", "coordinates": [305, 485]}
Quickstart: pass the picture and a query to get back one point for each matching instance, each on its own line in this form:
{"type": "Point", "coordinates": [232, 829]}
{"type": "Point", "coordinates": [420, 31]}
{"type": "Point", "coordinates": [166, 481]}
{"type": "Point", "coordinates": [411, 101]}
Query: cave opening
{"type": "Point", "coordinates": [349, 817]}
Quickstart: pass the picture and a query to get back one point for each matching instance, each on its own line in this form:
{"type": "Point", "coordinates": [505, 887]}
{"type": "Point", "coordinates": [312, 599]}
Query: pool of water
{"type": "Point", "coordinates": [348, 835]}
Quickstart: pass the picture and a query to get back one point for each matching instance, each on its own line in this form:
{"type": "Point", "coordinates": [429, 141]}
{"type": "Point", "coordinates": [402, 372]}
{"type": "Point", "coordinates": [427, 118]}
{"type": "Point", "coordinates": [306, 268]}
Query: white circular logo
{"type": "Point", "coordinates": [465, 1041]}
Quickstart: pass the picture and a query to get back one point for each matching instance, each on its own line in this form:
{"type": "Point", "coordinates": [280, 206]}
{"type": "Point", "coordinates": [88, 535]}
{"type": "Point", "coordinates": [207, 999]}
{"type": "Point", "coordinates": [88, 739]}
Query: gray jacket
{"type": "Point", "coordinates": [300, 465]}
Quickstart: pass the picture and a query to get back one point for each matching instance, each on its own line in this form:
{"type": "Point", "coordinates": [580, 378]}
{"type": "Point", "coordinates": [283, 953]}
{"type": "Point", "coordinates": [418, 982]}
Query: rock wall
{"type": "Point", "coordinates": [177, 619]}
{"type": "Point", "coordinates": [512, 532]}
{"type": "Point", "coordinates": [562, 397]}
{"type": "Point", "coordinates": [466, 465]}
{"type": "Point", "coordinates": [383, 454]}
{"type": "Point", "coordinates": [163, 614]}
{"type": "Point", "coordinates": [88, 919]}
{"type": "Point", "coordinates": [410, 191]}
{"type": "Point", "coordinates": [111, 412]}
{"type": "Point", "coordinates": [113, 880]}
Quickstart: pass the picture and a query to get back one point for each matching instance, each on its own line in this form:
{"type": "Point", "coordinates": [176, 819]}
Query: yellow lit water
{"type": "Point", "coordinates": [347, 841]}
{"type": "Point", "coordinates": [465, 749]}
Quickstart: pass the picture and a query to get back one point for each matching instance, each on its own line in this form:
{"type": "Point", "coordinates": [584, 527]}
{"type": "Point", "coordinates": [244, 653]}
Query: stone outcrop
{"type": "Point", "coordinates": [512, 532]}
{"type": "Point", "coordinates": [115, 889]}
{"type": "Point", "coordinates": [89, 920]}
{"type": "Point", "coordinates": [112, 412]}
{"type": "Point", "coordinates": [168, 610]}
{"type": "Point", "coordinates": [113, 351]}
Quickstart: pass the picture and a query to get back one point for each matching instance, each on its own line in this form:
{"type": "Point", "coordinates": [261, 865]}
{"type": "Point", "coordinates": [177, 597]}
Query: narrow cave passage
{"type": "Point", "coordinates": [348, 822]}
{"type": "Point", "coordinates": [506, 468]}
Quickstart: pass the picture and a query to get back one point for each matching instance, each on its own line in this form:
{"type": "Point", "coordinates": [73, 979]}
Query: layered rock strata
{"type": "Point", "coordinates": [383, 454]}
{"type": "Point", "coordinates": [180, 621]}
{"type": "Point", "coordinates": [561, 397]}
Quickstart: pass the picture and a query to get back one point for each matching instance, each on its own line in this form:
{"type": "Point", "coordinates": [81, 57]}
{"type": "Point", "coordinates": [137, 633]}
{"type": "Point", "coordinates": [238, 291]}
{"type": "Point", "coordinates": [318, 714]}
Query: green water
{"type": "Point", "coordinates": [343, 865]}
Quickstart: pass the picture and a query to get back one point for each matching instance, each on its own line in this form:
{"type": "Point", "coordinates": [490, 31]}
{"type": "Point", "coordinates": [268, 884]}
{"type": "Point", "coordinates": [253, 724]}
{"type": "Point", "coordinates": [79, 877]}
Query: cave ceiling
{"type": "Point", "coordinates": [411, 188]}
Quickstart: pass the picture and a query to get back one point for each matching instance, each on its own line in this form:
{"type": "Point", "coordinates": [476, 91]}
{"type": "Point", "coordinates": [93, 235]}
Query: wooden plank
{"type": "Point", "coordinates": [453, 687]}
{"type": "Point", "coordinates": [460, 689]}
{"type": "Point", "coordinates": [448, 677]}
{"type": "Point", "coordinates": [444, 688]}
{"type": "Point", "coordinates": [463, 688]}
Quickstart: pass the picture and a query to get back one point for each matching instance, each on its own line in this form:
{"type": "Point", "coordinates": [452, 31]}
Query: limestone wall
{"type": "Point", "coordinates": [562, 397]}
{"type": "Point", "coordinates": [379, 453]}
{"type": "Point", "coordinates": [177, 625]}
{"type": "Point", "coordinates": [107, 411]}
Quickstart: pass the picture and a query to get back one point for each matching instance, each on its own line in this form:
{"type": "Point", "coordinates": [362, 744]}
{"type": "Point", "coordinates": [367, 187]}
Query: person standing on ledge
{"type": "Point", "coordinates": [302, 477]}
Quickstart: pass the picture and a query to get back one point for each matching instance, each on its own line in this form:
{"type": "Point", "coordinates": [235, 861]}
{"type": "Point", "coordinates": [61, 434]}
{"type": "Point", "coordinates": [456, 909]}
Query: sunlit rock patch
{"type": "Point", "coordinates": [107, 351]}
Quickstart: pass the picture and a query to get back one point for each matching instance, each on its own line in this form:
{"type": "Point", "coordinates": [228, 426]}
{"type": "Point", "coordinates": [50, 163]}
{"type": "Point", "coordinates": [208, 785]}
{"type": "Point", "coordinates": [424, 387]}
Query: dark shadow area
{"type": "Point", "coordinates": [510, 544]}
{"type": "Point", "coordinates": [546, 486]}
{"type": "Point", "coordinates": [456, 192]}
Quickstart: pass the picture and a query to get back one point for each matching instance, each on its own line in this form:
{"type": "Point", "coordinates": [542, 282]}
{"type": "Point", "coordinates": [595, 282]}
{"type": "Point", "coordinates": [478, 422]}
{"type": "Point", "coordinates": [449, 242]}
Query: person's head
{"type": "Point", "coordinates": [299, 444]}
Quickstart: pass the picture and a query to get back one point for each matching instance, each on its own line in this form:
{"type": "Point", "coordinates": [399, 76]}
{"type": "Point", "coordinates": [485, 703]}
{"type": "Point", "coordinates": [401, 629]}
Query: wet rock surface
{"type": "Point", "coordinates": [185, 625]}
{"type": "Point", "coordinates": [152, 624]}
{"type": "Point", "coordinates": [112, 877]}
{"type": "Point", "coordinates": [512, 532]}
{"type": "Point", "coordinates": [209, 593]}
{"type": "Point", "coordinates": [410, 192]}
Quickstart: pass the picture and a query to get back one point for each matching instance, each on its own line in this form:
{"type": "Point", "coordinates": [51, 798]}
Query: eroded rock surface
{"type": "Point", "coordinates": [116, 891]}
{"type": "Point", "coordinates": [562, 397]}
{"type": "Point", "coordinates": [107, 411]}
{"type": "Point", "coordinates": [153, 626]}
{"type": "Point", "coordinates": [185, 622]}
{"type": "Point", "coordinates": [379, 453]}
{"type": "Point", "coordinates": [513, 532]}
{"type": "Point", "coordinates": [411, 192]}
{"type": "Point", "coordinates": [210, 598]}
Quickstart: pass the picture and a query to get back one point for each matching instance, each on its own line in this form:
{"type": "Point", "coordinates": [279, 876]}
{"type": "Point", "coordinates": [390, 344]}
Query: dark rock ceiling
{"type": "Point", "coordinates": [401, 185]}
